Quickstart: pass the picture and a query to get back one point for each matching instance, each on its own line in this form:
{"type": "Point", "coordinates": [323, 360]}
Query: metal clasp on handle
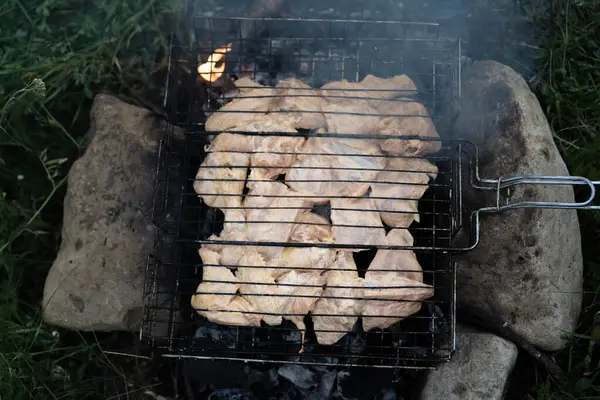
{"type": "Point", "coordinates": [507, 183]}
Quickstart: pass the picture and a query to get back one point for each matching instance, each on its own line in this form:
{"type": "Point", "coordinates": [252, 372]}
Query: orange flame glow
{"type": "Point", "coordinates": [209, 70]}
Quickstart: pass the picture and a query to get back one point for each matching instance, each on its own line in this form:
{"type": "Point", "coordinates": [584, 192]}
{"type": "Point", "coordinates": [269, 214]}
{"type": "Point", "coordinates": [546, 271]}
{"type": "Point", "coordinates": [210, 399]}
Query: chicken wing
{"type": "Point", "coordinates": [399, 188]}
{"type": "Point", "coordinates": [338, 309]}
{"type": "Point", "coordinates": [356, 222]}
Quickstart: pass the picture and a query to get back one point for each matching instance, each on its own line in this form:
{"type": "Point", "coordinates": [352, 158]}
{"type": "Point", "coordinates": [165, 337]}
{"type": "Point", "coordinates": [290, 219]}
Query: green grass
{"type": "Point", "coordinates": [567, 82]}
{"type": "Point", "coordinates": [56, 54]}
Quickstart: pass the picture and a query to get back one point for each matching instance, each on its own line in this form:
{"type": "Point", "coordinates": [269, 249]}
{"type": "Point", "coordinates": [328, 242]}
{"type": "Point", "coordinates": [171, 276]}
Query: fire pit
{"type": "Point", "coordinates": [315, 52]}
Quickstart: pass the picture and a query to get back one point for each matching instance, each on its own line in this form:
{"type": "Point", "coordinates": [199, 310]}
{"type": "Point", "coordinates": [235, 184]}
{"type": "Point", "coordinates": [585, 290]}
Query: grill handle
{"type": "Point", "coordinates": [510, 183]}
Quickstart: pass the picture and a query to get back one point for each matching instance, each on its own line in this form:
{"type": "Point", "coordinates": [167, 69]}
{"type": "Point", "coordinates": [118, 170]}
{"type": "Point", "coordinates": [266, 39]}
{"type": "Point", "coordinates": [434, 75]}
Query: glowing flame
{"type": "Point", "coordinates": [209, 70]}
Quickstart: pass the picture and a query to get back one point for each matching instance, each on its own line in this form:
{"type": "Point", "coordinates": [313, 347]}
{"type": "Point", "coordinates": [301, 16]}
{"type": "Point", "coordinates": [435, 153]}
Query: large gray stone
{"type": "Point", "coordinates": [527, 269]}
{"type": "Point", "coordinates": [478, 370]}
{"type": "Point", "coordinates": [96, 281]}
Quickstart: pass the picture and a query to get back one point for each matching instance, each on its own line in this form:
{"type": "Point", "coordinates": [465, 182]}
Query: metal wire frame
{"type": "Point", "coordinates": [420, 341]}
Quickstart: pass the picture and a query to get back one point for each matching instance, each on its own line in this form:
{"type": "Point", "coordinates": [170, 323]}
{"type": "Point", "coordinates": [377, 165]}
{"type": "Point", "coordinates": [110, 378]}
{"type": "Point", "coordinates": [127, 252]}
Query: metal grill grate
{"type": "Point", "coordinates": [316, 52]}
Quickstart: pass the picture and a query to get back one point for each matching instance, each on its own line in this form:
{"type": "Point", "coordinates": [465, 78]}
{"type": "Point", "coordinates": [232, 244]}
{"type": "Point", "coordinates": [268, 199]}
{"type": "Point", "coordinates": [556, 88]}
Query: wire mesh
{"type": "Point", "coordinates": [315, 52]}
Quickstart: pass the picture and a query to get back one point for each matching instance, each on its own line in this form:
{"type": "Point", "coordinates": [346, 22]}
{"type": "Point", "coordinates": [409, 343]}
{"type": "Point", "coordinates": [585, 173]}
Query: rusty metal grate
{"type": "Point", "coordinates": [316, 52]}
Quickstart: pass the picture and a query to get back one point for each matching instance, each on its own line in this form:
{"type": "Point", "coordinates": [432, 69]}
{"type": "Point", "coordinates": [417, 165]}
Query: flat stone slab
{"type": "Point", "coordinates": [96, 282]}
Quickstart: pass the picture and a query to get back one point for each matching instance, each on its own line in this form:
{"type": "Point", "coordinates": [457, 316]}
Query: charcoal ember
{"type": "Point", "coordinates": [326, 384]}
{"type": "Point", "coordinates": [210, 373]}
{"type": "Point", "coordinates": [439, 324]}
{"type": "Point", "coordinates": [215, 337]}
{"type": "Point", "coordinates": [300, 376]}
{"type": "Point", "coordinates": [231, 394]}
{"type": "Point", "coordinates": [351, 383]}
{"type": "Point", "coordinates": [354, 343]}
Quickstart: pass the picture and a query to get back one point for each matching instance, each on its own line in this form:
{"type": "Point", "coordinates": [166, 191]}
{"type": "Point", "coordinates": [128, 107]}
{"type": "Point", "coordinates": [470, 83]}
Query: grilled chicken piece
{"type": "Point", "coordinates": [399, 188]}
{"type": "Point", "coordinates": [338, 309]}
{"type": "Point", "coordinates": [356, 222]}
{"type": "Point", "coordinates": [389, 269]}
{"type": "Point", "coordinates": [402, 262]}
{"type": "Point", "coordinates": [271, 210]}
{"type": "Point", "coordinates": [216, 297]}
{"type": "Point", "coordinates": [230, 253]}
{"type": "Point", "coordinates": [345, 111]}
{"type": "Point", "coordinates": [302, 103]}
{"type": "Point", "coordinates": [391, 299]}
{"type": "Point", "coordinates": [253, 101]}
{"type": "Point", "coordinates": [303, 259]}
{"type": "Point", "coordinates": [220, 183]}
{"type": "Point", "coordinates": [412, 120]}
{"type": "Point", "coordinates": [311, 228]}
{"type": "Point", "coordinates": [340, 167]}
{"type": "Point", "coordinates": [302, 290]}
{"type": "Point", "coordinates": [351, 107]}
{"type": "Point", "coordinates": [258, 287]}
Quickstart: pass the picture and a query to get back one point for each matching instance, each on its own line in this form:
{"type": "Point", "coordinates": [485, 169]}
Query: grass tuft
{"type": "Point", "coordinates": [55, 55]}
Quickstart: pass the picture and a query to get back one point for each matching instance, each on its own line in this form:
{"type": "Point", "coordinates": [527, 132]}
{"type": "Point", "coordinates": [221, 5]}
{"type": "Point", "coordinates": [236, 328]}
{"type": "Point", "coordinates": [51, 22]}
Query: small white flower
{"type": "Point", "coordinates": [55, 334]}
{"type": "Point", "coordinates": [20, 177]}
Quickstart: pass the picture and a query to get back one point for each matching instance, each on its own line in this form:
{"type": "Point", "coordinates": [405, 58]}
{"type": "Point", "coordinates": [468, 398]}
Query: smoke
{"type": "Point", "coordinates": [498, 30]}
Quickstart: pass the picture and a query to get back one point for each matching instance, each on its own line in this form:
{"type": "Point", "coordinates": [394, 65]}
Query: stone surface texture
{"type": "Point", "coordinates": [527, 268]}
{"type": "Point", "coordinates": [478, 370]}
{"type": "Point", "coordinates": [96, 281]}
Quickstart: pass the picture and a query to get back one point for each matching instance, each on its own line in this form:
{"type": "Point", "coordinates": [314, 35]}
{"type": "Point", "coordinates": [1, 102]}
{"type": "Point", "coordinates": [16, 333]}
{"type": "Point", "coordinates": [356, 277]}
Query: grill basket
{"type": "Point", "coordinates": [316, 52]}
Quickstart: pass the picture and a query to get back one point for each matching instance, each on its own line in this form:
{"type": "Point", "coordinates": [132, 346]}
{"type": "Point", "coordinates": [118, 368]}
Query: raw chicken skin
{"type": "Point", "coordinates": [258, 287]}
{"type": "Point", "coordinates": [299, 103]}
{"type": "Point", "coordinates": [392, 268]}
{"type": "Point", "coordinates": [402, 262]}
{"type": "Point", "coordinates": [207, 297]}
{"type": "Point", "coordinates": [253, 102]}
{"type": "Point", "coordinates": [311, 228]}
{"type": "Point", "coordinates": [413, 120]}
{"type": "Point", "coordinates": [362, 227]}
{"type": "Point", "coordinates": [338, 309]}
{"type": "Point", "coordinates": [350, 107]}
{"type": "Point", "coordinates": [403, 180]}
{"type": "Point", "coordinates": [346, 115]}
{"type": "Point", "coordinates": [303, 259]}
{"type": "Point", "coordinates": [220, 183]}
{"type": "Point", "coordinates": [340, 167]}
{"type": "Point", "coordinates": [216, 298]}
{"type": "Point", "coordinates": [303, 289]}
{"type": "Point", "coordinates": [271, 210]}
{"type": "Point", "coordinates": [393, 298]}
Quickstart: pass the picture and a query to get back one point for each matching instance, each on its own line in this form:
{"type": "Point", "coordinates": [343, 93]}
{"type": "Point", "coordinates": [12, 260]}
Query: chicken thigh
{"type": "Point", "coordinates": [335, 168]}
{"type": "Point", "coordinates": [399, 188]}
{"type": "Point", "coordinates": [391, 298]}
{"type": "Point", "coordinates": [216, 297]}
{"type": "Point", "coordinates": [339, 308]}
{"type": "Point", "coordinates": [271, 210]}
{"type": "Point", "coordinates": [356, 222]}
{"type": "Point", "coordinates": [251, 104]}
{"type": "Point", "coordinates": [402, 262]}
{"type": "Point", "coordinates": [410, 119]}
{"type": "Point", "coordinates": [299, 103]}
